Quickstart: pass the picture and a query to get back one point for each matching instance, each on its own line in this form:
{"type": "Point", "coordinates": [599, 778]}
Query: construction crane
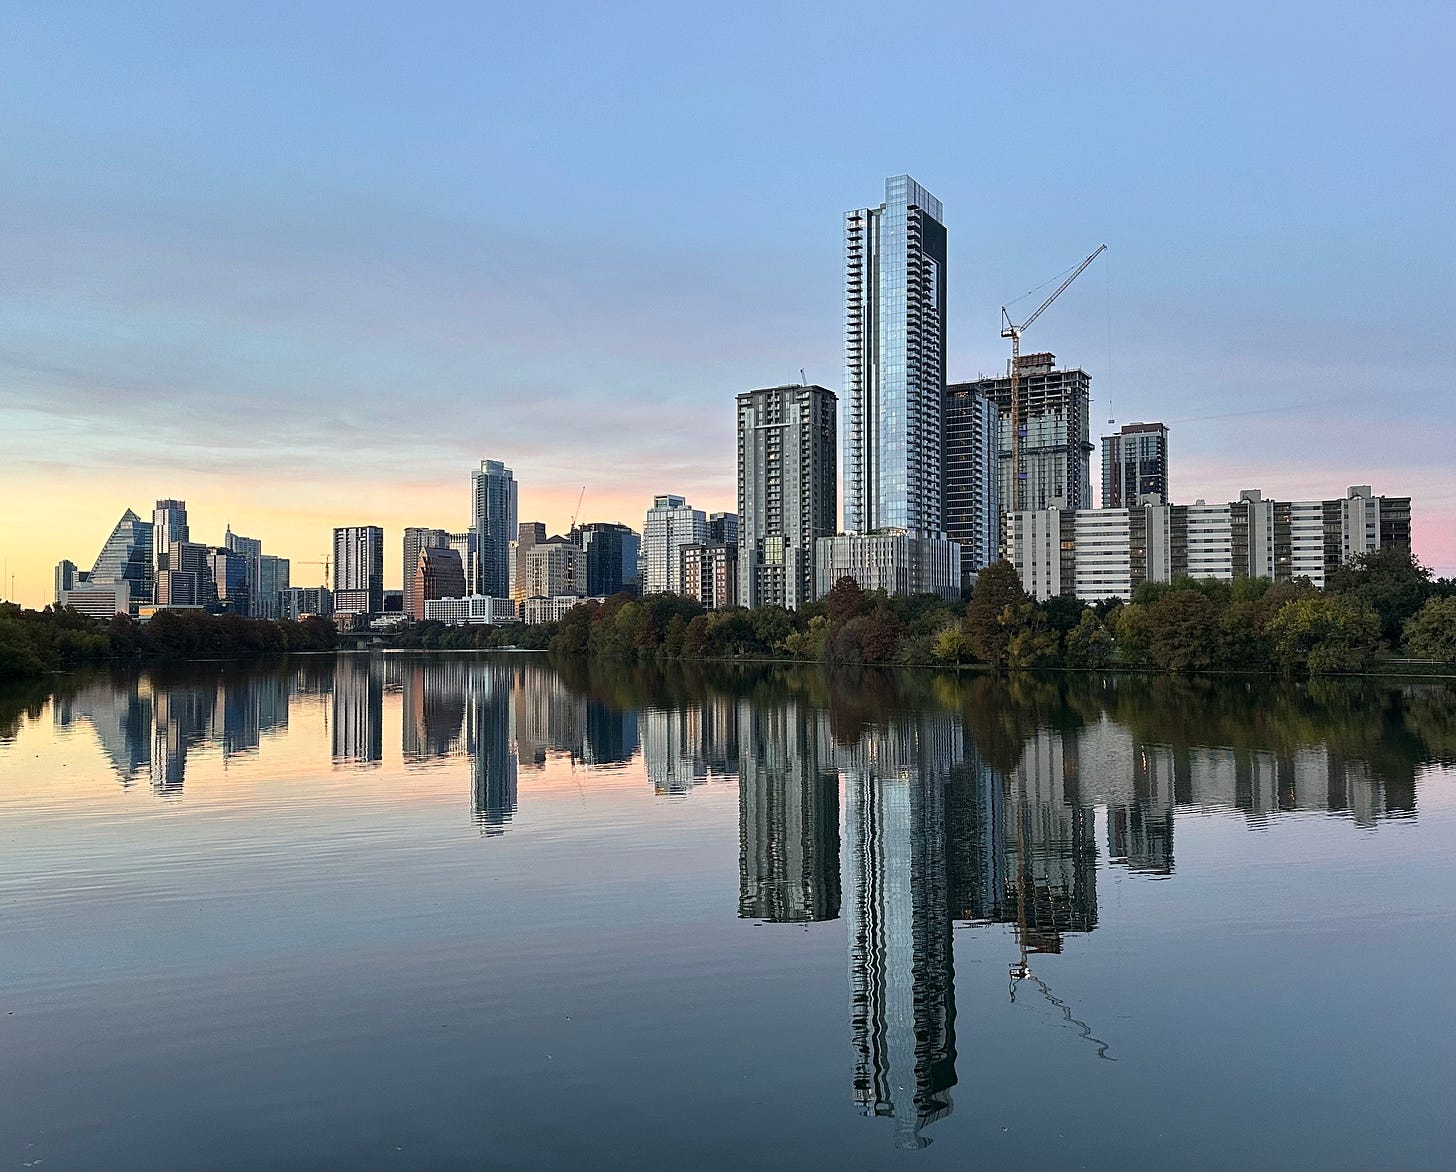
{"type": "Point", "coordinates": [1010, 329]}
{"type": "Point", "coordinates": [576, 512]}
{"type": "Point", "coordinates": [325, 563]}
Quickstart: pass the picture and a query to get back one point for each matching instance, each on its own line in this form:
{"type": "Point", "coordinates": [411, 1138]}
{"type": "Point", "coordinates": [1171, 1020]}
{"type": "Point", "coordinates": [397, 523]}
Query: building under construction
{"type": "Point", "coordinates": [1055, 449]}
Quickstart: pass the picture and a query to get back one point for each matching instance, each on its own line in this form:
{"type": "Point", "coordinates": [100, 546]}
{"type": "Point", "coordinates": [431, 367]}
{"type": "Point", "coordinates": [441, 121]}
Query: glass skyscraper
{"type": "Point", "coordinates": [493, 510]}
{"type": "Point", "coordinates": [894, 364]}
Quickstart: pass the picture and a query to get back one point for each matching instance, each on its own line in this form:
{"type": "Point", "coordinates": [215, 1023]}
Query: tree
{"type": "Point", "coordinates": [1431, 632]}
{"type": "Point", "coordinates": [1183, 631]}
{"type": "Point", "coordinates": [1089, 643]}
{"type": "Point", "coordinates": [846, 600]}
{"type": "Point", "coordinates": [1390, 581]}
{"type": "Point", "coordinates": [994, 600]}
{"type": "Point", "coordinates": [1324, 634]}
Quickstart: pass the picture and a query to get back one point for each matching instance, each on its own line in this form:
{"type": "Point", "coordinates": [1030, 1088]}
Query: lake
{"type": "Point", "coordinates": [491, 911]}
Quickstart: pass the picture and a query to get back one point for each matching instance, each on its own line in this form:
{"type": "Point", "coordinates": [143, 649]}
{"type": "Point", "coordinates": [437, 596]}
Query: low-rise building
{"type": "Point", "coordinates": [891, 560]}
{"type": "Point", "coordinates": [1108, 553]}
{"type": "Point", "coordinates": [535, 611]}
{"type": "Point", "coordinates": [472, 609]}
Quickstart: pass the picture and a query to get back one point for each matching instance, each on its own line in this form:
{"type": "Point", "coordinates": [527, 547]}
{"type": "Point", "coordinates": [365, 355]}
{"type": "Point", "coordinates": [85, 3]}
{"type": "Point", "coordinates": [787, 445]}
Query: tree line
{"type": "Point", "coordinates": [36, 641]}
{"type": "Point", "coordinates": [1383, 602]}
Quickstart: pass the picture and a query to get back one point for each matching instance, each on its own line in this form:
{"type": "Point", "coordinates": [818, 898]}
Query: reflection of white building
{"type": "Point", "coordinates": [684, 747]}
{"type": "Point", "coordinates": [358, 710]}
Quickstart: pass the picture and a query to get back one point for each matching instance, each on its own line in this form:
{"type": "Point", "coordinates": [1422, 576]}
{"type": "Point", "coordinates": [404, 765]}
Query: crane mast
{"type": "Point", "coordinates": [1010, 329]}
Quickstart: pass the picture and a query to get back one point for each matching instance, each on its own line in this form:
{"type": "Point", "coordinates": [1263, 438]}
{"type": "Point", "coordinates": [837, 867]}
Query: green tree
{"type": "Point", "coordinates": [1390, 581]}
{"type": "Point", "coordinates": [1182, 631]}
{"type": "Point", "coordinates": [1430, 633]}
{"type": "Point", "coordinates": [991, 612]}
{"type": "Point", "coordinates": [1324, 634]}
{"type": "Point", "coordinates": [1089, 643]}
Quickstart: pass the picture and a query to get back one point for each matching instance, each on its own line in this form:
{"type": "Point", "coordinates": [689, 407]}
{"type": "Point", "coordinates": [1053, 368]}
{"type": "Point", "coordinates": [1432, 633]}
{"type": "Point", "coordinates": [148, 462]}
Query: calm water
{"type": "Point", "coordinates": [436, 911]}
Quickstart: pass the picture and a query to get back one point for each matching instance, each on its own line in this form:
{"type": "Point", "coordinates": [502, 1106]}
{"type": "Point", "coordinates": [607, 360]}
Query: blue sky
{"type": "Point", "coordinates": [305, 264]}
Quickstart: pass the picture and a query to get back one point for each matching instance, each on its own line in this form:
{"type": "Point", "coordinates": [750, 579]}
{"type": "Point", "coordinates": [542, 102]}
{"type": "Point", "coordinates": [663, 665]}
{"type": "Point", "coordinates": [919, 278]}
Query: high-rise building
{"type": "Point", "coordinates": [123, 575]}
{"type": "Point", "coordinates": [169, 524]}
{"type": "Point", "coordinates": [66, 577]}
{"type": "Point", "coordinates": [613, 557]}
{"type": "Point", "coordinates": [230, 577]}
{"type": "Point", "coordinates": [894, 367]}
{"type": "Point", "coordinates": [294, 602]}
{"type": "Point", "coordinates": [359, 569]}
{"type": "Point", "coordinates": [250, 549]}
{"type": "Point", "coordinates": [466, 546]}
{"type": "Point", "coordinates": [493, 512]}
{"type": "Point", "coordinates": [723, 528]}
{"type": "Point", "coordinates": [438, 574]}
{"type": "Point", "coordinates": [1135, 467]}
{"type": "Point", "coordinates": [551, 568]}
{"type": "Point", "coordinates": [417, 538]}
{"type": "Point", "coordinates": [787, 497]}
{"type": "Point", "coordinates": [528, 535]}
{"type": "Point", "coordinates": [187, 576]}
{"type": "Point", "coordinates": [972, 488]}
{"type": "Point", "coordinates": [671, 524]}
{"type": "Point", "coordinates": [1055, 403]}
{"type": "Point", "coordinates": [272, 581]}
{"type": "Point", "coordinates": [709, 573]}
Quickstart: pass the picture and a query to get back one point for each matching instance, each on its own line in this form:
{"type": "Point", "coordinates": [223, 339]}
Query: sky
{"type": "Point", "coordinates": [306, 264]}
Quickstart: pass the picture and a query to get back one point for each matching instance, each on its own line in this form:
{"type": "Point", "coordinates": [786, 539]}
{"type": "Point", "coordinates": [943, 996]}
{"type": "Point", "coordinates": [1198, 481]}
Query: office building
{"type": "Point", "coordinates": [169, 524]}
{"type": "Point", "coordinates": [787, 495]}
{"type": "Point", "coordinates": [1098, 554]}
{"type": "Point", "coordinates": [613, 557]}
{"type": "Point", "coordinates": [671, 524]}
{"type": "Point", "coordinates": [528, 535]}
{"type": "Point", "coordinates": [359, 569]}
{"type": "Point", "coordinates": [465, 545]}
{"type": "Point", "coordinates": [972, 482]}
{"type": "Point", "coordinates": [122, 577]}
{"type": "Point", "coordinates": [67, 576]}
{"type": "Point", "coordinates": [1055, 450]}
{"type": "Point", "coordinates": [416, 538]}
{"type": "Point", "coordinates": [230, 574]}
{"type": "Point", "coordinates": [272, 581]}
{"type": "Point", "coordinates": [1135, 467]}
{"type": "Point", "coordinates": [709, 573]}
{"type": "Point", "coordinates": [250, 549]}
{"type": "Point", "coordinates": [493, 515]}
{"type": "Point", "coordinates": [723, 528]}
{"type": "Point", "coordinates": [186, 578]}
{"type": "Point", "coordinates": [894, 369]}
{"type": "Point", "coordinates": [438, 574]}
{"type": "Point", "coordinates": [551, 568]}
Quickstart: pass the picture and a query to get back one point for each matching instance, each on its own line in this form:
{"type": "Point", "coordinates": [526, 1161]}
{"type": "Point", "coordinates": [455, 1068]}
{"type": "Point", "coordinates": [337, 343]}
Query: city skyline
{"type": "Point", "coordinates": [210, 287]}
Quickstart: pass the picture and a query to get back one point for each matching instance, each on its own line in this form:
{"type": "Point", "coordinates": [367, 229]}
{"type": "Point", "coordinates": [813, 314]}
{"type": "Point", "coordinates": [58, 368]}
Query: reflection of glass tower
{"type": "Point", "coordinates": [684, 747]}
{"type": "Point", "coordinates": [788, 819]}
{"type": "Point", "coordinates": [358, 710]}
{"type": "Point", "coordinates": [184, 718]}
{"type": "Point", "coordinates": [611, 735]}
{"type": "Point", "coordinates": [900, 961]}
{"type": "Point", "coordinates": [488, 741]}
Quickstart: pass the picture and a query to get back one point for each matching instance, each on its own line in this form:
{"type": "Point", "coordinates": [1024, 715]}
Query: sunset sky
{"type": "Point", "coordinates": [306, 264]}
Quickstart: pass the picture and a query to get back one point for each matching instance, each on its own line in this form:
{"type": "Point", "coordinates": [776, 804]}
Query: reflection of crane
{"type": "Point", "coordinates": [1020, 969]}
{"type": "Point", "coordinates": [1010, 329]}
{"type": "Point", "coordinates": [325, 563]}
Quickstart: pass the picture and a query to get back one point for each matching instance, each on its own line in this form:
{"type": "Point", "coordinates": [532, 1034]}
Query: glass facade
{"type": "Point", "coordinates": [493, 508]}
{"type": "Point", "coordinates": [127, 557]}
{"type": "Point", "coordinates": [894, 372]}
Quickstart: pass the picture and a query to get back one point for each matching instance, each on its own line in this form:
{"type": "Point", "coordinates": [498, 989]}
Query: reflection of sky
{"type": "Point", "coordinates": [310, 219]}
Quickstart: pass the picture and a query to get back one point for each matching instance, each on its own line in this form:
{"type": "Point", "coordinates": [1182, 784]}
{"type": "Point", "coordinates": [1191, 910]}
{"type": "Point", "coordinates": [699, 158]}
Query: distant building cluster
{"type": "Point", "coordinates": [939, 480]}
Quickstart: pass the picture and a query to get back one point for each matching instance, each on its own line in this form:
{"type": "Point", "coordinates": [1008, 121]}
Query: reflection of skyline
{"type": "Point", "coordinates": [147, 725]}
